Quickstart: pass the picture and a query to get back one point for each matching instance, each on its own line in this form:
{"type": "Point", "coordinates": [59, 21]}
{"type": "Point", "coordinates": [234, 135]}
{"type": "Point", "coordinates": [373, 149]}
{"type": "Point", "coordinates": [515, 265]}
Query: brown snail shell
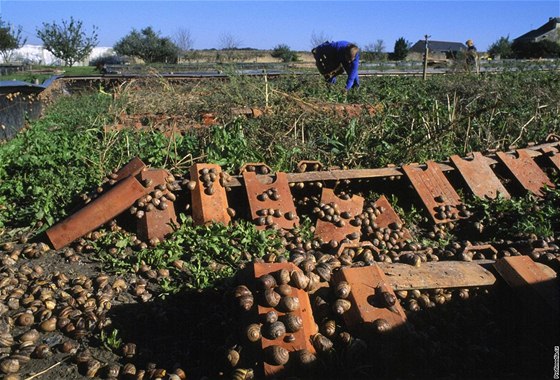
{"type": "Point", "coordinates": [299, 279]}
{"type": "Point", "coordinates": [233, 357]}
{"type": "Point", "coordinates": [293, 322]}
{"type": "Point", "coordinates": [381, 326]}
{"type": "Point", "coordinates": [25, 319]}
{"type": "Point", "coordinates": [241, 290]}
{"type": "Point", "coordinates": [276, 355]}
{"type": "Point", "coordinates": [6, 340]}
{"type": "Point", "coordinates": [112, 370]}
{"type": "Point", "coordinates": [275, 330]}
{"type": "Point", "coordinates": [129, 350]}
{"type": "Point", "coordinates": [271, 298]}
{"type": "Point", "coordinates": [246, 302]}
{"type": "Point", "coordinates": [267, 281]}
{"type": "Point", "coordinates": [341, 305]}
{"type": "Point", "coordinates": [243, 374]}
{"type": "Point", "coordinates": [9, 365]}
{"type": "Point", "coordinates": [271, 316]}
{"type": "Point", "coordinates": [253, 332]}
{"type": "Point", "coordinates": [282, 276]}
{"type": "Point", "coordinates": [321, 343]}
{"type": "Point", "coordinates": [30, 336]}
{"type": "Point", "coordinates": [92, 367]}
{"type": "Point", "coordinates": [342, 289]}
{"type": "Point", "coordinates": [284, 289]}
{"type": "Point", "coordinates": [42, 351]}
{"type": "Point", "coordinates": [305, 358]}
{"type": "Point", "coordinates": [329, 328]}
{"type": "Point", "coordinates": [324, 271]}
{"type": "Point", "coordinates": [48, 325]}
{"type": "Point", "coordinates": [314, 282]}
{"type": "Point", "coordinates": [288, 303]}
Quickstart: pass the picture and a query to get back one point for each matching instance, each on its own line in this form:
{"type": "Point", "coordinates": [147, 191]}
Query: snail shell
{"type": "Point", "coordinates": [275, 330]}
{"type": "Point", "coordinates": [381, 326]}
{"type": "Point", "coordinates": [299, 279]}
{"type": "Point", "coordinates": [243, 374]}
{"type": "Point", "coordinates": [324, 271]}
{"type": "Point", "coordinates": [9, 365]}
{"type": "Point", "coordinates": [267, 281]}
{"type": "Point", "coordinates": [6, 340]}
{"type": "Point", "coordinates": [253, 332]}
{"type": "Point", "coordinates": [29, 336]}
{"type": "Point", "coordinates": [271, 316]}
{"type": "Point", "coordinates": [288, 303]}
{"type": "Point", "coordinates": [271, 298]}
{"type": "Point", "coordinates": [25, 319]}
{"type": "Point", "coordinates": [342, 289]}
{"type": "Point", "coordinates": [329, 328]}
{"type": "Point", "coordinates": [48, 325]}
{"type": "Point", "coordinates": [92, 367]}
{"type": "Point", "coordinates": [314, 282]}
{"type": "Point", "coordinates": [306, 358]}
{"type": "Point", "coordinates": [246, 302]}
{"type": "Point", "coordinates": [341, 305]}
{"type": "Point", "coordinates": [233, 357]}
{"type": "Point", "coordinates": [276, 355]}
{"type": "Point", "coordinates": [241, 290]}
{"type": "Point", "coordinates": [284, 290]}
{"type": "Point", "coordinates": [282, 276]}
{"type": "Point", "coordinates": [293, 322]}
{"type": "Point", "coordinates": [42, 351]}
{"type": "Point", "coordinates": [321, 343]}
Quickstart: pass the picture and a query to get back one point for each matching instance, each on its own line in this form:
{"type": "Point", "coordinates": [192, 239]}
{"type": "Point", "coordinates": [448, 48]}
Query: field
{"type": "Point", "coordinates": [168, 307]}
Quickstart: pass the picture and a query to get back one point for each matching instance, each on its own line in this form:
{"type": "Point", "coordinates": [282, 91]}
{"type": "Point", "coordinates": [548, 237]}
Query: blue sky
{"type": "Point", "coordinates": [264, 24]}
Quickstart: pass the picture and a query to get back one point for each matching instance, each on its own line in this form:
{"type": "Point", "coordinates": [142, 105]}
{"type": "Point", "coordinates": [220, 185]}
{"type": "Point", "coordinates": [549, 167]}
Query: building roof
{"type": "Point", "coordinates": [550, 25]}
{"type": "Point", "coordinates": [437, 46]}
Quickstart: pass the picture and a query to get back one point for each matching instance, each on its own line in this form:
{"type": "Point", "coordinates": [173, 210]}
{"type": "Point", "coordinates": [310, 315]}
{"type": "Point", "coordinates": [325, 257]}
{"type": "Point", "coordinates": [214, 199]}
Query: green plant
{"type": "Point", "coordinates": [111, 341]}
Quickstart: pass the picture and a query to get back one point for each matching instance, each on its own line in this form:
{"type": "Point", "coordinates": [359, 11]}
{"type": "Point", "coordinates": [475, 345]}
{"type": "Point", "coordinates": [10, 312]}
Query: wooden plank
{"type": "Point", "coordinates": [302, 338]}
{"type": "Point", "coordinates": [366, 285]}
{"type": "Point", "coordinates": [433, 275]}
{"type": "Point", "coordinates": [537, 288]}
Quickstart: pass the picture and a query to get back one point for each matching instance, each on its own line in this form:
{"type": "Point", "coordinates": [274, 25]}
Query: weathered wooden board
{"type": "Point", "coordinates": [432, 275]}
{"type": "Point", "coordinates": [536, 287]}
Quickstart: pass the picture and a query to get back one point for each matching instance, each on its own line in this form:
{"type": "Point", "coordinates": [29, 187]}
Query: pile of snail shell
{"type": "Point", "coordinates": [275, 292]}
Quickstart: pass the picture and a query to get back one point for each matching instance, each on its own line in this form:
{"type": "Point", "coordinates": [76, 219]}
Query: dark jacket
{"type": "Point", "coordinates": [330, 58]}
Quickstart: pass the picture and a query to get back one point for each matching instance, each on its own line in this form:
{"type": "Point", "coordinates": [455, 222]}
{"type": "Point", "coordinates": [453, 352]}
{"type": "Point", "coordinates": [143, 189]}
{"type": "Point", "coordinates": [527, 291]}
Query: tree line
{"type": "Point", "coordinates": [69, 42]}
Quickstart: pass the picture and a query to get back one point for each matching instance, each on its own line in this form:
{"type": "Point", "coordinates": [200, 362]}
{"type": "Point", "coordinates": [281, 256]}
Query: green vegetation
{"type": "Point", "coordinates": [68, 151]}
{"type": "Point", "coordinates": [111, 341]}
{"type": "Point", "coordinates": [519, 217]}
{"type": "Point", "coordinates": [200, 256]}
{"type": "Point", "coordinates": [147, 45]}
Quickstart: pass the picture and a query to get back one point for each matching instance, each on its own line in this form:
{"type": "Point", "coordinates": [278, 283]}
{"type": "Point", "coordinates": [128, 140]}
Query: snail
{"type": "Point", "coordinates": [246, 302]}
{"type": "Point", "coordinates": [342, 289]}
{"type": "Point", "coordinates": [328, 328]}
{"type": "Point", "coordinates": [299, 279]}
{"type": "Point", "coordinates": [306, 359]}
{"type": "Point", "coordinates": [253, 332]}
{"type": "Point", "coordinates": [282, 276]}
{"type": "Point", "coordinates": [271, 298]}
{"type": "Point", "coordinates": [274, 330]}
{"type": "Point", "coordinates": [324, 271]}
{"type": "Point", "coordinates": [276, 355]}
{"type": "Point", "coordinates": [381, 326]}
{"type": "Point", "coordinates": [9, 365]}
{"type": "Point", "coordinates": [271, 316]}
{"type": "Point", "coordinates": [288, 303]}
{"type": "Point", "coordinates": [243, 374]}
{"type": "Point", "coordinates": [321, 343]}
{"type": "Point", "coordinates": [293, 322]}
{"type": "Point", "coordinates": [284, 290]}
{"type": "Point", "coordinates": [267, 281]}
{"type": "Point", "coordinates": [341, 305]}
{"type": "Point", "coordinates": [241, 290]}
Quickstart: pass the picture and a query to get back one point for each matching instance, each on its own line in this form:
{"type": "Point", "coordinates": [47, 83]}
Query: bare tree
{"type": "Point", "coordinates": [184, 41]}
{"type": "Point", "coordinates": [375, 51]}
{"type": "Point", "coordinates": [228, 43]}
{"type": "Point", "coordinates": [317, 38]}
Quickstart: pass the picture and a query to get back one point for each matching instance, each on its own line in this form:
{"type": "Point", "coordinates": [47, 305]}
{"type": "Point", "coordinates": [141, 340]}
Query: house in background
{"type": "Point", "coordinates": [437, 50]}
{"type": "Point", "coordinates": [549, 31]}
